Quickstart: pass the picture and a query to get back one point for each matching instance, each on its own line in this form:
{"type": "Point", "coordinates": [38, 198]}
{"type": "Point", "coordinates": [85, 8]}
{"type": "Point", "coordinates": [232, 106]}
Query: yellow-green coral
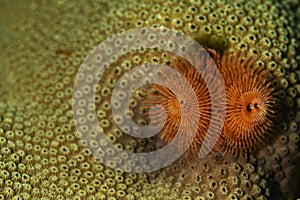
{"type": "Point", "coordinates": [43, 45]}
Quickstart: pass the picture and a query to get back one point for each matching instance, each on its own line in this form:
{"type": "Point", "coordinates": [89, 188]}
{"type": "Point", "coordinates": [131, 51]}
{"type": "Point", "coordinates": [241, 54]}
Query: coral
{"type": "Point", "coordinates": [42, 47]}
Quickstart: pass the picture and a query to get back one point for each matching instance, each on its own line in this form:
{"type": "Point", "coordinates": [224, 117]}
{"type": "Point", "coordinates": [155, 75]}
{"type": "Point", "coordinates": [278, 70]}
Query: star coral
{"type": "Point", "coordinates": [42, 47]}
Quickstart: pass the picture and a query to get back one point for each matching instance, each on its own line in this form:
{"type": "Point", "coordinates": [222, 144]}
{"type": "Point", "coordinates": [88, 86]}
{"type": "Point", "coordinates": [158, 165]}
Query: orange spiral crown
{"type": "Point", "coordinates": [250, 103]}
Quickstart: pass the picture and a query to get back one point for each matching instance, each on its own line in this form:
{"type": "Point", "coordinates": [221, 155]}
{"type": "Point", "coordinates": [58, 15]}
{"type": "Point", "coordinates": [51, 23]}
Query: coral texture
{"type": "Point", "coordinates": [42, 47]}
